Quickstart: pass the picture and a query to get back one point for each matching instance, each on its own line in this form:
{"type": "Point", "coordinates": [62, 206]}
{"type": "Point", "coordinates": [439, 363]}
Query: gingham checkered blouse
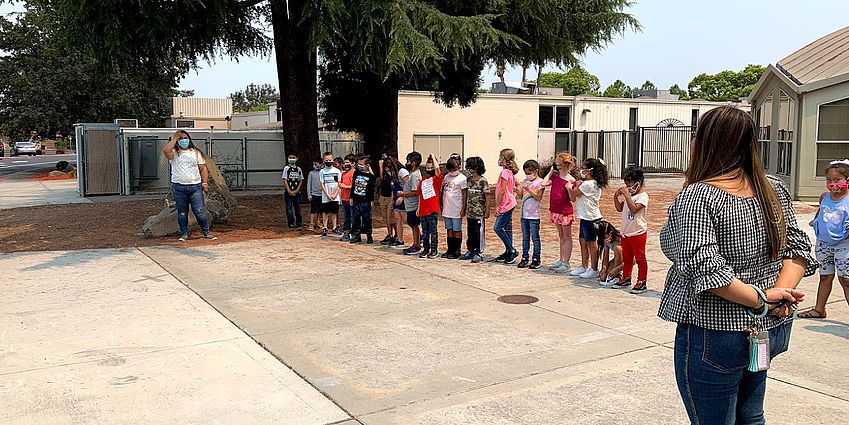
{"type": "Point", "coordinates": [712, 237]}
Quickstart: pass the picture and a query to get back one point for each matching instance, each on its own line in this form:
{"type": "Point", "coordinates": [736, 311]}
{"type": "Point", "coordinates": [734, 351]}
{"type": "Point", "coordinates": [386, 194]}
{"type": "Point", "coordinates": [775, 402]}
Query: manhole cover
{"type": "Point", "coordinates": [518, 299]}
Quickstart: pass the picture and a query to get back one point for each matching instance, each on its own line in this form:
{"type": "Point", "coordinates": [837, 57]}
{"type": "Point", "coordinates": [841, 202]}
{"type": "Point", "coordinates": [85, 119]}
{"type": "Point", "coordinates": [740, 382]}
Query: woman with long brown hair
{"type": "Point", "coordinates": [738, 255]}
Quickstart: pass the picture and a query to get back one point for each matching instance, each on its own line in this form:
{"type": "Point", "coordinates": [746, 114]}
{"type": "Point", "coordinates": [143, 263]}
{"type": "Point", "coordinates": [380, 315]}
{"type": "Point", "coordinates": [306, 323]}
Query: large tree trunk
{"type": "Point", "coordinates": [381, 132]}
{"type": "Point", "coordinates": [297, 74]}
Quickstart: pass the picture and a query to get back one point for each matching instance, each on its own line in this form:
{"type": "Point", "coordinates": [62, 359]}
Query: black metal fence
{"type": "Point", "coordinates": [654, 149]}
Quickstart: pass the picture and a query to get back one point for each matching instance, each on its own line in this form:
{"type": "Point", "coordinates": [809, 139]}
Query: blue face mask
{"type": "Point", "coordinates": [184, 143]}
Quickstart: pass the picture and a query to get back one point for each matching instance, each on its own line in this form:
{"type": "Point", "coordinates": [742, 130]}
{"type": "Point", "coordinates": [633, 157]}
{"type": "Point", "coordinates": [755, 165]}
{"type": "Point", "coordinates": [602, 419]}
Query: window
{"type": "Point", "coordinates": [184, 124]}
{"type": "Point", "coordinates": [832, 128]}
{"type": "Point", "coordinates": [786, 126]}
{"type": "Point", "coordinates": [763, 119]}
{"type": "Point", "coordinates": [546, 117]}
{"type": "Point", "coordinates": [694, 117]}
{"type": "Point", "coordinates": [632, 119]}
{"type": "Point", "coordinates": [564, 117]}
{"type": "Point", "coordinates": [833, 121]}
{"type": "Point", "coordinates": [441, 145]}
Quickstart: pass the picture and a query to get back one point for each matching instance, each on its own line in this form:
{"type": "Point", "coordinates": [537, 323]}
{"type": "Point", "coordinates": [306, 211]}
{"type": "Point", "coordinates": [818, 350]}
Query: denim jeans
{"type": "Point", "coordinates": [711, 368]}
{"type": "Point", "coordinates": [347, 213]}
{"type": "Point", "coordinates": [530, 232]}
{"type": "Point", "coordinates": [430, 235]}
{"type": "Point", "coordinates": [361, 218]}
{"type": "Point", "coordinates": [504, 229]}
{"type": "Point", "coordinates": [186, 195]}
{"type": "Point", "coordinates": [293, 209]}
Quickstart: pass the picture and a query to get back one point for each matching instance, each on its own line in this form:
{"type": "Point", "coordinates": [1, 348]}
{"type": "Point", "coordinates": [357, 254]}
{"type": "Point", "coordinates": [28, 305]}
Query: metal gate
{"type": "Point", "coordinates": [664, 149]}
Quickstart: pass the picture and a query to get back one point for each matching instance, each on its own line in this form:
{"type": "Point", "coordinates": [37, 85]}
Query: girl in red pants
{"type": "Point", "coordinates": [632, 201]}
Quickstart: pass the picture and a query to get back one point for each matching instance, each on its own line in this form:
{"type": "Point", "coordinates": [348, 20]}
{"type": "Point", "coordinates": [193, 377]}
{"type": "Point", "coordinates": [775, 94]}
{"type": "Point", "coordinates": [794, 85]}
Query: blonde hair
{"type": "Point", "coordinates": [509, 158]}
{"type": "Point", "coordinates": [568, 160]}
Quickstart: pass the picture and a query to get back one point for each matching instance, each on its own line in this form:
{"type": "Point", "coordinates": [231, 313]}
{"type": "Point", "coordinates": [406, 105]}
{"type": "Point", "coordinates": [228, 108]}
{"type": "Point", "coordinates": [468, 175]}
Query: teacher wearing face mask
{"type": "Point", "coordinates": [189, 182]}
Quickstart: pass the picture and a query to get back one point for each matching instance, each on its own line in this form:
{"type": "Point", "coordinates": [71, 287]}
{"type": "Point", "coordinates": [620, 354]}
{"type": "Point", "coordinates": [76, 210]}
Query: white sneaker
{"type": "Point", "coordinates": [609, 282]}
{"type": "Point", "coordinates": [579, 271]}
{"type": "Point", "coordinates": [588, 274]}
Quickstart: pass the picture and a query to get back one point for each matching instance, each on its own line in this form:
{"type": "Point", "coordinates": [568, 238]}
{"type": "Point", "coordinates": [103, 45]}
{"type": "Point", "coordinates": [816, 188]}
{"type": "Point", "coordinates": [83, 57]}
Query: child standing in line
{"type": "Point", "coordinates": [505, 202]}
{"type": "Point", "coordinates": [411, 200]}
{"type": "Point", "coordinates": [455, 193]}
{"type": "Point", "coordinates": [362, 201]}
{"type": "Point", "coordinates": [345, 186]}
{"type": "Point", "coordinates": [397, 200]}
{"type": "Point", "coordinates": [293, 179]}
{"type": "Point", "coordinates": [611, 268]}
{"type": "Point", "coordinates": [586, 195]}
{"type": "Point", "coordinates": [831, 226]}
{"type": "Point", "coordinates": [477, 209]}
{"type": "Point", "coordinates": [330, 177]}
{"type": "Point", "coordinates": [314, 186]}
{"type": "Point", "coordinates": [387, 176]}
{"type": "Point", "coordinates": [632, 201]}
{"type": "Point", "coordinates": [562, 213]}
{"type": "Point", "coordinates": [531, 191]}
{"type": "Point", "coordinates": [428, 193]}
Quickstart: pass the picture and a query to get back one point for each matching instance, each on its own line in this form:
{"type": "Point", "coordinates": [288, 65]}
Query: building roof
{"type": "Point", "coordinates": [822, 59]}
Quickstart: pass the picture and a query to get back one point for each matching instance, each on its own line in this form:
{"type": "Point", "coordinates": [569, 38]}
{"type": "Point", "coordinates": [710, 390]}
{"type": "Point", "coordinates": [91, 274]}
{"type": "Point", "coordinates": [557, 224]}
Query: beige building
{"type": "Point", "coordinates": [199, 112]}
{"type": "Point", "coordinates": [537, 126]}
{"type": "Point", "coordinates": [801, 105]}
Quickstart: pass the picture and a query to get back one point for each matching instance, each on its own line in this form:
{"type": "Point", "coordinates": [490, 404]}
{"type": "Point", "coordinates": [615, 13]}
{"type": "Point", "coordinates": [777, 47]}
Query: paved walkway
{"type": "Point", "coordinates": [389, 339]}
{"type": "Point", "coordinates": [29, 193]}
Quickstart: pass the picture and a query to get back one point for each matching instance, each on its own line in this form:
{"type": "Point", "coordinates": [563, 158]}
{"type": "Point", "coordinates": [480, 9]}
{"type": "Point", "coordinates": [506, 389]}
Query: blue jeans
{"type": "Point", "coordinates": [711, 368]}
{"type": "Point", "coordinates": [293, 209]}
{"type": "Point", "coordinates": [430, 235]}
{"type": "Point", "coordinates": [504, 229]}
{"type": "Point", "coordinates": [530, 232]}
{"type": "Point", "coordinates": [347, 213]}
{"type": "Point", "coordinates": [361, 212]}
{"type": "Point", "coordinates": [186, 195]}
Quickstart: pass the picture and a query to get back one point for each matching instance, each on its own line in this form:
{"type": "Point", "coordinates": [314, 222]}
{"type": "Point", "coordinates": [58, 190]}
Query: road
{"type": "Point", "coordinates": [23, 166]}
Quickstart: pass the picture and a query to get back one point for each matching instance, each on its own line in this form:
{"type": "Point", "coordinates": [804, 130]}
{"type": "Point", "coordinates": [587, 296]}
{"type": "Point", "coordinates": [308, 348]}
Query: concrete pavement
{"type": "Point", "coordinates": [30, 193]}
{"type": "Point", "coordinates": [390, 339]}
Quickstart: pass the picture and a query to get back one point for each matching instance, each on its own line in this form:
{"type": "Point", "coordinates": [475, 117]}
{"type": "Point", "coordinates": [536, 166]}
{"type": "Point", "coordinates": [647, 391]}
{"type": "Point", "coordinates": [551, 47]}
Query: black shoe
{"type": "Point", "coordinates": [423, 254]}
{"type": "Point", "coordinates": [387, 240]}
{"type": "Point", "coordinates": [453, 255]}
{"type": "Point", "coordinates": [523, 263]}
{"type": "Point", "coordinates": [433, 254]}
{"type": "Point", "coordinates": [369, 239]}
{"type": "Point", "coordinates": [501, 257]}
{"type": "Point", "coordinates": [640, 287]}
{"type": "Point", "coordinates": [292, 226]}
{"type": "Point", "coordinates": [356, 239]}
{"type": "Point", "coordinates": [623, 283]}
{"type": "Point", "coordinates": [511, 257]}
{"type": "Point", "coordinates": [445, 255]}
{"type": "Point", "coordinates": [535, 264]}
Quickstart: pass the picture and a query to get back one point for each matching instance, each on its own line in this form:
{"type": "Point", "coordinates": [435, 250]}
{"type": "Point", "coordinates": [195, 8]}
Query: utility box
{"type": "Point", "coordinates": [149, 154]}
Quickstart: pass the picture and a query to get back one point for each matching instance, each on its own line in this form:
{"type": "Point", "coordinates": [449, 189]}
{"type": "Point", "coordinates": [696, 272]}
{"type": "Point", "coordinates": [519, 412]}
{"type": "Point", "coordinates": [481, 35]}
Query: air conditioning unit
{"type": "Point", "coordinates": [127, 123]}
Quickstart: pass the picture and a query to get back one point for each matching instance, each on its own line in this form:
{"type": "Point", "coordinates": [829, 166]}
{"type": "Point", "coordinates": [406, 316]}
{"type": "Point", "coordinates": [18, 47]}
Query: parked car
{"type": "Point", "coordinates": [24, 148]}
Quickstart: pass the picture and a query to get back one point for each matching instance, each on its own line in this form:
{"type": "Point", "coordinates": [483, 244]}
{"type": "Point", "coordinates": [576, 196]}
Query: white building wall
{"type": "Point", "coordinates": [199, 107]}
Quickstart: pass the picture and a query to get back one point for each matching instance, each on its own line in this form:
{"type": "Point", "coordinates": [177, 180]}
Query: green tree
{"type": "Point", "coordinates": [574, 82]}
{"type": "Point", "coordinates": [254, 98]}
{"type": "Point", "coordinates": [132, 33]}
{"type": "Point", "coordinates": [47, 84]}
{"type": "Point", "coordinates": [183, 93]}
{"type": "Point", "coordinates": [648, 85]}
{"type": "Point", "coordinates": [618, 90]}
{"type": "Point", "coordinates": [682, 94]}
{"type": "Point", "coordinates": [725, 85]}
{"type": "Point", "coordinates": [443, 45]}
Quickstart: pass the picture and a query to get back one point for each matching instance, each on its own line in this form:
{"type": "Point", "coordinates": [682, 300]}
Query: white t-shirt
{"type": "Point", "coordinates": [452, 195]}
{"type": "Point", "coordinates": [635, 224]}
{"type": "Point", "coordinates": [184, 166]}
{"type": "Point", "coordinates": [330, 177]}
{"type": "Point", "coordinates": [586, 207]}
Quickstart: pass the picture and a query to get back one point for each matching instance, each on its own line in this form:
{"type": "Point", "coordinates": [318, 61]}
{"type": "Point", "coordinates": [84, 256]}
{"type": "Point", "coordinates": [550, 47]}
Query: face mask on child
{"type": "Point", "coordinates": [360, 168]}
{"type": "Point", "coordinates": [431, 171]}
{"type": "Point", "coordinates": [346, 167]}
{"type": "Point", "coordinates": [184, 143]}
{"type": "Point", "coordinates": [839, 185]}
{"type": "Point", "coordinates": [454, 173]}
{"type": "Point", "coordinates": [633, 189]}
{"type": "Point", "coordinates": [328, 164]}
{"type": "Point", "coordinates": [292, 161]}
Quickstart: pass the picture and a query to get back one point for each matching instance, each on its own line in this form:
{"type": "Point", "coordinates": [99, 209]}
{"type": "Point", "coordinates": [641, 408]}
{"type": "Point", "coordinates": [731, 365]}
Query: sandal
{"type": "Point", "coordinates": [812, 314]}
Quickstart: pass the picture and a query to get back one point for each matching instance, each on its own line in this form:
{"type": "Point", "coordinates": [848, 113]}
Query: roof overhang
{"type": "Point", "coordinates": [821, 84]}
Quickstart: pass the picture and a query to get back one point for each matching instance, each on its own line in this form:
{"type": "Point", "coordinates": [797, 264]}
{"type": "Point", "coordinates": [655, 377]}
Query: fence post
{"type": "Point", "coordinates": [245, 162]}
{"type": "Point", "coordinates": [586, 146]}
{"type": "Point", "coordinates": [624, 161]}
{"type": "Point", "coordinates": [601, 144]}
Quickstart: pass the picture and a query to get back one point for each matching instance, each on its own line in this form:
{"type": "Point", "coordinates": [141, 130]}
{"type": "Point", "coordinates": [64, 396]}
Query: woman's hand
{"type": "Point", "coordinates": [792, 296]}
{"type": "Point", "coordinates": [205, 187]}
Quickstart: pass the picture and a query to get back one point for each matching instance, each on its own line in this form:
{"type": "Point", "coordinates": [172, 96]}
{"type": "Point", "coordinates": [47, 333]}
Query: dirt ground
{"type": "Point", "coordinates": [119, 225]}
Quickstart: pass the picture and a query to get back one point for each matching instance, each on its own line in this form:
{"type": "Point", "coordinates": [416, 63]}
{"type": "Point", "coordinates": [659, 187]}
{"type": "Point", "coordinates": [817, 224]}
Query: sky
{"type": "Point", "coordinates": [679, 40]}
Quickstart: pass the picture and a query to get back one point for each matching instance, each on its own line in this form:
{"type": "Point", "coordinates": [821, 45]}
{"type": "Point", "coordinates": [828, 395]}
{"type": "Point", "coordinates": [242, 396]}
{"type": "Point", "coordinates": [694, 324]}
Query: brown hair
{"type": "Point", "coordinates": [726, 142]}
{"type": "Point", "coordinates": [509, 158]}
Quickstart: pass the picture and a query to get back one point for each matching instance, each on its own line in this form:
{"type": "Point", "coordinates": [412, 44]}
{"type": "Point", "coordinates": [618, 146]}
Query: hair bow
{"type": "Point", "coordinates": [601, 161]}
{"type": "Point", "coordinates": [842, 161]}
